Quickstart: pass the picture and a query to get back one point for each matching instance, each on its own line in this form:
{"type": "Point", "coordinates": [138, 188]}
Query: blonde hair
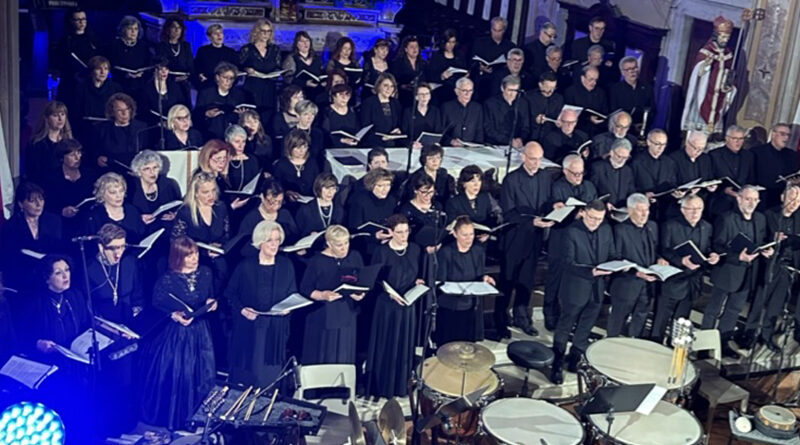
{"type": "Point", "coordinates": [190, 200]}
{"type": "Point", "coordinates": [336, 233]}
{"type": "Point", "coordinates": [263, 231]}
{"type": "Point", "coordinates": [259, 24]}
{"type": "Point", "coordinates": [104, 182]}
{"type": "Point", "coordinates": [172, 115]}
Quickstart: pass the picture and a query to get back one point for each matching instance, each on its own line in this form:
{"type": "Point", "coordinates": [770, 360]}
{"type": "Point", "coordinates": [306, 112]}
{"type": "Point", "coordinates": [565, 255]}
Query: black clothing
{"type": "Point", "coordinates": [295, 63]}
{"type": "Point", "coordinates": [210, 98]}
{"type": "Point", "coordinates": [630, 295]}
{"type": "Point", "coordinates": [216, 232]}
{"type": "Point", "coordinates": [579, 96]}
{"type": "Point", "coordinates": [118, 143]}
{"type": "Point", "coordinates": [384, 117]}
{"type": "Point", "coordinates": [739, 166]}
{"type": "Point", "coordinates": [431, 122]}
{"type": "Point", "coordinates": [654, 174]}
{"type": "Point", "coordinates": [132, 58]}
{"type": "Point", "coordinates": [769, 164]}
{"type": "Point", "coordinates": [424, 224]}
{"type": "Point", "coordinates": [536, 58]}
{"type": "Point", "coordinates": [251, 220]}
{"type": "Point", "coordinates": [40, 160]}
{"type": "Point", "coordinates": [194, 141]}
{"type": "Point", "coordinates": [478, 210]}
{"type": "Point", "coordinates": [557, 145]}
{"type": "Point", "coordinates": [330, 326]}
{"type": "Point", "coordinates": [207, 59]}
{"type": "Point", "coordinates": [527, 83]}
{"type": "Point", "coordinates": [180, 59]}
{"type": "Point", "coordinates": [333, 121]}
{"type": "Point", "coordinates": [148, 107]}
{"type": "Point", "coordinates": [261, 90]}
{"type": "Point", "coordinates": [60, 192]}
{"type": "Point", "coordinates": [91, 101]}
{"type": "Point", "coordinates": [443, 185]}
{"type": "Point", "coordinates": [460, 317]}
{"type": "Point", "coordinates": [580, 47]}
{"type": "Point", "coordinates": [437, 65]}
{"type": "Point", "coordinates": [550, 107]}
{"type": "Point", "coordinates": [178, 366]}
{"type": "Point", "coordinates": [616, 182]}
{"type": "Point", "coordinates": [369, 76]}
{"type": "Point", "coordinates": [167, 190]}
{"type": "Point", "coordinates": [601, 144]}
{"type": "Point", "coordinates": [258, 347]}
{"type": "Point", "coordinates": [68, 68]}
{"type": "Point", "coordinates": [391, 340]}
{"type": "Point", "coordinates": [295, 178]}
{"type": "Point", "coordinates": [115, 288]}
{"type": "Point", "coordinates": [15, 235]}
{"type": "Point", "coordinates": [352, 69]}
{"type": "Point", "coordinates": [310, 219]}
{"type": "Point", "coordinates": [131, 221]}
{"type": "Point", "coordinates": [463, 122]}
{"type": "Point", "coordinates": [635, 100]}
{"type": "Point", "coordinates": [241, 172]}
{"type": "Point", "coordinates": [405, 74]}
{"type": "Point", "coordinates": [498, 120]}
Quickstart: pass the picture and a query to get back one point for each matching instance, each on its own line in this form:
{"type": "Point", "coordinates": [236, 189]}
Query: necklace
{"type": "Point", "coordinates": [401, 252]}
{"type": "Point", "coordinates": [241, 175]}
{"type": "Point", "coordinates": [152, 196]}
{"type": "Point", "coordinates": [326, 219]}
{"type": "Point", "coordinates": [299, 168]}
{"type": "Point", "coordinates": [58, 303]}
{"type": "Point", "coordinates": [191, 280]}
{"type": "Point", "coordinates": [175, 53]}
{"type": "Point", "coordinates": [115, 285]}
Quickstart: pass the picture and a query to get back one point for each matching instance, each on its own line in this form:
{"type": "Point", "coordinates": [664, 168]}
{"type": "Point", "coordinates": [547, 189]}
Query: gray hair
{"type": "Point", "coordinates": [636, 198]}
{"type": "Point", "coordinates": [233, 131]}
{"type": "Point", "coordinates": [515, 52]}
{"type": "Point", "coordinates": [145, 157]}
{"type": "Point", "coordinates": [779, 125]}
{"type": "Point", "coordinates": [694, 135]}
{"type": "Point", "coordinates": [570, 159]}
{"type": "Point", "coordinates": [463, 81]}
{"type": "Point", "coordinates": [263, 231]}
{"type": "Point", "coordinates": [656, 131]}
{"type": "Point", "coordinates": [306, 106]}
{"type": "Point", "coordinates": [596, 49]}
{"type": "Point", "coordinates": [499, 20]}
{"type": "Point", "coordinates": [747, 187]}
{"type": "Point", "coordinates": [734, 129]}
{"type": "Point", "coordinates": [614, 118]}
{"type": "Point", "coordinates": [692, 197]}
{"type": "Point", "coordinates": [623, 143]}
{"type": "Point", "coordinates": [628, 59]}
{"type": "Point", "coordinates": [553, 49]}
{"type": "Point", "coordinates": [548, 25]}
{"type": "Point", "coordinates": [511, 80]}
{"type": "Point", "coordinates": [127, 21]}
{"type": "Point", "coordinates": [585, 70]}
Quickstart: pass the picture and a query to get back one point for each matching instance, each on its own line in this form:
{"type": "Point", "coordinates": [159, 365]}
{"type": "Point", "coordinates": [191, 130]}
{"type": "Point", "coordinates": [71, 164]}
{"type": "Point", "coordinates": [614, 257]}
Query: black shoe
{"type": "Point", "coordinates": [745, 339]}
{"type": "Point", "coordinates": [729, 352]}
{"type": "Point", "coordinates": [572, 361]}
{"type": "Point", "coordinates": [526, 327]}
{"type": "Point", "coordinates": [556, 375]}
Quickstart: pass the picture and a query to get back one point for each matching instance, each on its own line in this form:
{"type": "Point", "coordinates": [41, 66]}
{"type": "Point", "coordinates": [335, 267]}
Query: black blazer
{"type": "Point", "coordinates": [730, 273]}
{"type": "Point", "coordinates": [630, 242]}
{"type": "Point", "coordinates": [579, 257]}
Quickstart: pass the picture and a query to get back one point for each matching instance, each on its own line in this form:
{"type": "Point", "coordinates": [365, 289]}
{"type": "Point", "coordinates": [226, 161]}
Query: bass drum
{"type": "Point", "coordinates": [443, 385]}
{"type": "Point", "coordinates": [521, 421]}
{"type": "Point", "coordinates": [668, 424]}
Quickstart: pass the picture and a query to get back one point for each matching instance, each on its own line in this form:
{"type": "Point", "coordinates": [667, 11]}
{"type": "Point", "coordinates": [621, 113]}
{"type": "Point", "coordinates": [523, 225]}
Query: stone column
{"type": "Point", "coordinates": [9, 81]}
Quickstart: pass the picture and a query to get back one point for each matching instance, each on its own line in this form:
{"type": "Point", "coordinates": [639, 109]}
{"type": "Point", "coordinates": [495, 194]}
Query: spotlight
{"type": "Point", "coordinates": [28, 423]}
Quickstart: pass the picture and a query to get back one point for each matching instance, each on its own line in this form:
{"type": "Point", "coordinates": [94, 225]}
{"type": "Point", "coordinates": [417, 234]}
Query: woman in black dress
{"type": "Point", "coordinates": [340, 117]}
{"type": "Point", "coordinates": [460, 317]}
{"type": "Point", "coordinates": [324, 210]}
{"type": "Point", "coordinates": [471, 200]}
{"type": "Point", "coordinates": [39, 159]}
{"type": "Point", "coordinates": [430, 160]}
{"type": "Point", "coordinates": [242, 168]}
{"type": "Point", "coordinates": [425, 215]}
{"type": "Point", "coordinates": [441, 66]}
{"type": "Point", "coordinates": [330, 326]}
{"type": "Point", "coordinates": [258, 143]}
{"type": "Point", "coordinates": [67, 187]}
{"type": "Point", "coordinates": [270, 209]}
{"type": "Point", "coordinates": [160, 88]}
{"type": "Point", "coordinates": [178, 52]}
{"type": "Point", "coordinates": [110, 207]}
{"type": "Point", "coordinates": [178, 365]}
{"type": "Point", "coordinates": [259, 57]}
{"type": "Point", "coordinates": [295, 170]}
{"type": "Point", "coordinates": [203, 217]}
{"type": "Point", "coordinates": [426, 117]}
{"type": "Point", "coordinates": [31, 228]}
{"type": "Point", "coordinates": [129, 55]}
{"type": "Point", "coordinates": [214, 159]}
{"type": "Point", "coordinates": [92, 94]}
{"type": "Point", "coordinates": [375, 64]}
{"type": "Point", "coordinates": [383, 111]}
{"type": "Point", "coordinates": [303, 58]}
{"type": "Point", "coordinates": [118, 139]}
{"type": "Point", "coordinates": [220, 104]}
{"type": "Point", "coordinates": [344, 58]}
{"type": "Point", "coordinates": [306, 115]}
{"type": "Point", "coordinates": [283, 122]}
{"type": "Point", "coordinates": [376, 204]}
{"type": "Point", "coordinates": [391, 339]}
{"type": "Point", "coordinates": [258, 341]}
{"type": "Point", "coordinates": [335, 77]}
{"type": "Point", "coordinates": [180, 134]}
{"type": "Point", "coordinates": [152, 190]}
{"type": "Point", "coordinates": [211, 55]}
{"type": "Point", "coordinates": [407, 67]}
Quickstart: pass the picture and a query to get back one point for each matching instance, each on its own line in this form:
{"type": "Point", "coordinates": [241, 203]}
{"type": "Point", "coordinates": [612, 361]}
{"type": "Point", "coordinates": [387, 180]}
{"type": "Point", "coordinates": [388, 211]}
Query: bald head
{"type": "Point", "coordinates": [532, 155]}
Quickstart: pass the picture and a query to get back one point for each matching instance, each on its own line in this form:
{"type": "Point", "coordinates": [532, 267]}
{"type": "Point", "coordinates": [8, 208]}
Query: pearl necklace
{"type": "Point", "coordinates": [153, 194]}
{"type": "Point", "coordinates": [326, 219]}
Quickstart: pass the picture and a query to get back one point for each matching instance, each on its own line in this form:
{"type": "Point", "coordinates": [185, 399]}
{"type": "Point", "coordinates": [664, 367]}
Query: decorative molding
{"type": "Point", "coordinates": [223, 10]}
{"type": "Point", "coordinates": [337, 16]}
{"type": "Point", "coordinates": [767, 54]}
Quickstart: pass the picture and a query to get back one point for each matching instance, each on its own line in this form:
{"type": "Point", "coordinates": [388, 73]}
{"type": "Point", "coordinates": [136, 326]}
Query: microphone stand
{"type": "Point", "coordinates": [428, 321]}
{"type": "Point", "coordinates": [94, 351]}
{"type": "Point", "coordinates": [515, 106]}
{"type": "Point", "coordinates": [414, 84]}
{"type": "Point", "coordinates": [161, 143]}
{"type": "Point", "coordinates": [788, 325]}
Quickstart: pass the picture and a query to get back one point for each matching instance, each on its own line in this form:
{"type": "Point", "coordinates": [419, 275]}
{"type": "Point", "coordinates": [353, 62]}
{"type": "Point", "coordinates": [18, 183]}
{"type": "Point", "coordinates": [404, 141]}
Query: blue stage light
{"type": "Point", "coordinates": [28, 423]}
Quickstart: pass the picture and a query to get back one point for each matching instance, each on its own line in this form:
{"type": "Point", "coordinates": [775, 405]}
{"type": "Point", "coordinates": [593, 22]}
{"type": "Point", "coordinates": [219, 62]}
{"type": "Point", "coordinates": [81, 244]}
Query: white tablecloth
{"type": "Point", "coordinates": [455, 158]}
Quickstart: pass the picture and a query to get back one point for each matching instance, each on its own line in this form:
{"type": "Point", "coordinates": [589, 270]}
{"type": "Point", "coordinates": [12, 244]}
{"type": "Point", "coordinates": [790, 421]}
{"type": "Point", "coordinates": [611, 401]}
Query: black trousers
{"type": "Point", "coordinates": [675, 301]}
{"type": "Point", "coordinates": [769, 298]}
{"type": "Point", "coordinates": [637, 306]}
{"type": "Point", "coordinates": [724, 307]}
{"type": "Point", "coordinates": [577, 315]}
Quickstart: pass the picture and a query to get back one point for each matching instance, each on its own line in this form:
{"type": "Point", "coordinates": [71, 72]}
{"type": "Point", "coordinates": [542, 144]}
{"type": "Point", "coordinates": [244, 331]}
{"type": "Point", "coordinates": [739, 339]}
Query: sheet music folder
{"type": "Point", "coordinates": [626, 398]}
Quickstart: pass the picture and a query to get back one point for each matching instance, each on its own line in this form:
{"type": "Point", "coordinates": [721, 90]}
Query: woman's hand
{"type": "Point", "coordinates": [488, 279]}
{"type": "Point", "coordinates": [249, 313]}
{"type": "Point", "coordinates": [169, 216]}
{"type": "Point", "coordinates": [212, 254]}
{"type": "Point", "coordinates": [239, 203]}
{"type": "Point", "coordinates": [349, 141]}
{"type": "Point", "coordinates": [358, 297]}
{"type": "Point", "coordinates": [325, 295]}
{"type": "Point", "coordinates": [69, 211]}
{"type": "Point", "coordinates": [213, 304]}
{"type": "Point", "coordinates": [292, 195]}
{"type": "Point", "coordinates": [46, 346]}
{"type": "Point", "coordinates": [178, 317]}
{"type": "Point", "coordinates": [148, 219]}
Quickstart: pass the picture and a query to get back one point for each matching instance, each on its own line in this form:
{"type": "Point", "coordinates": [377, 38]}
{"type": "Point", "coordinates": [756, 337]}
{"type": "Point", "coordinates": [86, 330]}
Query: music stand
{"type": "Point", "coordinates": [610, 400]}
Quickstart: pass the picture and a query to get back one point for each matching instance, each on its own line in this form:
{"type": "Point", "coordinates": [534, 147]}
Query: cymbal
{"type": "Point", "coordinates": [356, 431]}
{"type": "Point", "coordinates": [465, 356]}
{"type": "Point", "coordinates": [392, 423]}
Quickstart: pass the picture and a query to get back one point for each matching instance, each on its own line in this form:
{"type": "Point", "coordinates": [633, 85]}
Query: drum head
{"type": "Point", "coordinates": [632, 361]}
{"type": "Point", "coordinates": [447, 381]}
{"type": "Point", "coordinates": [528, 421]}
{"type": "Point", "coordinates": [666, 425]}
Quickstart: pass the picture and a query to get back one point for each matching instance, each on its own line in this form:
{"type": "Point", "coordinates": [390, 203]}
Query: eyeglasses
{"type": "Point", "coordinates": [426, 192]}
{"type": "Point", "coordinates": [630, 69]}
{"type": "Point", "coordinates": [740, 138]}
{"type": "Point", "coordinates": [464, 90]}
{"type": "Point", "coordinates": [551, 35]}
{"type": "Point", "coordinates": [693, 209]}
{"type": "Point", "coordinates": [182, 118]}
{"type": "Point", "coordinates": [228, 78]}
{"type": "Point", "coordinates": [580, 173]}
{"type": "Point", "coordinates": [119, 110]}
{"type": "Point", "coordinates": [657, 144]}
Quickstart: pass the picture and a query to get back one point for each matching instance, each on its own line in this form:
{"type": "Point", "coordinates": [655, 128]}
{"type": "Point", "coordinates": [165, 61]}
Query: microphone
{"type": "Point", "coordinates": [296, 372]}
{"type": "Point", "coordinates": [80, 239]}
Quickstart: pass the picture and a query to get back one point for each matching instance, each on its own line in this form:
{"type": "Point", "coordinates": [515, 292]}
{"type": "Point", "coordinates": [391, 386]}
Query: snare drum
{"type": "Point", "coordinates": [443, 384]}
{"type": "Point", "coordinates": [668, 424]}
{"type": "Point", "coordinates": [521, 421]}
{"type": "Point", "coordinates": [632, 361]}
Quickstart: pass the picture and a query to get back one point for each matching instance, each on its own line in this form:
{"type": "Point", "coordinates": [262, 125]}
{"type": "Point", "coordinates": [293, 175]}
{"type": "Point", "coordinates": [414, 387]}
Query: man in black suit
{"type": "Point", "coordinates": [631, 94]}
{"type": "Point", "coordinates": [566, 138]}
{"type": "Point", "coordinates": [782, 221]}
{"type": "Point", "coordinates": [536, 51]}
{"type": "Point", "coordinates": [586, 243]}
{"type": "Point", "coordinates": [463, 116]}
{"type": "Point", "coordinates": [619, 125]}
{"type": "Point", "coordinates": [774, 159]}
{"type": "Point", "coordinates": [597, 27]}
{"type": "Point", "coordinates": [489, 48]}
{"type": "Point", "coordinates": [543, 104]}
{"type": "Point", "coordinates": [586, 94]}
{"type": "Point", "coordinates": [525, 193]}
{"type": "Point", "coordinates": [679, 293]}
{"type": "Point", "coordinates": [732, 162]}
{"type": "Point", "coordinates": [571, 185]}
{"type": "Point", "coordinates": [736, 277]}
{"type": "Point", "coordinates": [613, 176]}
{"type": "Point", "coordinates": [499, 116]}
{"type": "Point", "coordinates": [636, 240]}
{"type": "Point", "coordinates": [554, 57]}
{"type": "Point", "coordinates": [515, 59]}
